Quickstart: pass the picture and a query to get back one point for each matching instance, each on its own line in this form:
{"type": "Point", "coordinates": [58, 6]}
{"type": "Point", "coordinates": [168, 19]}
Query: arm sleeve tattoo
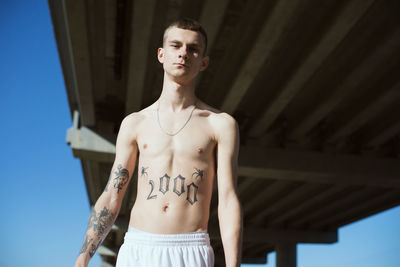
{"type": "Point", "coordinates": [100, 223]}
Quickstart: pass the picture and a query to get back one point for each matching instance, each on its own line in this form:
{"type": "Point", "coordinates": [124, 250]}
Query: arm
{"type": "Point", "coordinates": [229, 209]}
{"type": "Point", "coordinates": [107, 207]}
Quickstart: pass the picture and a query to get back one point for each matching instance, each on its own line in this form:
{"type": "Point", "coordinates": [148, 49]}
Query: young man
{"type": "Point", "coordinates": [182, 143]}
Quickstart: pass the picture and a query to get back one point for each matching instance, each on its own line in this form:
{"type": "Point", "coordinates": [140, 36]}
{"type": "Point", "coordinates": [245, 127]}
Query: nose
{"type": "Point", "coordinates": [183, 52]}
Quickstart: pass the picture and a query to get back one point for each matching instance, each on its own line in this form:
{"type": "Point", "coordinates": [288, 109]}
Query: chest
{"type": "Point", "coordinates": [195, 140]}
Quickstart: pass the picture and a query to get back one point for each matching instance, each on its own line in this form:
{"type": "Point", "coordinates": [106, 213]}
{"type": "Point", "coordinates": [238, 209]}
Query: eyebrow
{"type": "Point", "coordinates": [190, 44]}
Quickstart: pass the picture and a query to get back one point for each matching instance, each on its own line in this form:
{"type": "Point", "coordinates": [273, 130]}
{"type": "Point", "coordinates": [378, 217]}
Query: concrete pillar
{"type": "Point", "coordinates": [286, 255]}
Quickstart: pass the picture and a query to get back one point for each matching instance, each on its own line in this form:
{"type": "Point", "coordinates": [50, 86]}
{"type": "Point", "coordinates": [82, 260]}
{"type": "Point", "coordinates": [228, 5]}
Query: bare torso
{"type": "Point", "coordinates": [175, 173]}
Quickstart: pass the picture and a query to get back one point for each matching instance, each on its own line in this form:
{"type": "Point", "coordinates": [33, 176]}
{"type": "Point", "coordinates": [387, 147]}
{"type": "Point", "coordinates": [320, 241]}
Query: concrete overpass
{"type": "Point", "coordinates": [314, 86]}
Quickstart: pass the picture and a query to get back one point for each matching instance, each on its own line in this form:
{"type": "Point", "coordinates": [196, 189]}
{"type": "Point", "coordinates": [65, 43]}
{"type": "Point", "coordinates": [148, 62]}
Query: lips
{"type": "Point", "coordinates": [181, 65]}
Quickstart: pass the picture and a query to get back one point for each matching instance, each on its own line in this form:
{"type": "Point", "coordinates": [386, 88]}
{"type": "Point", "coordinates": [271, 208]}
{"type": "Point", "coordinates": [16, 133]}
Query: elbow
{"type": "Point", "coordinates": [228, 199]}
{"type": "Point", "coordinates": [110, 200]}
{"type": "Point", "coordinates": [230, 208]}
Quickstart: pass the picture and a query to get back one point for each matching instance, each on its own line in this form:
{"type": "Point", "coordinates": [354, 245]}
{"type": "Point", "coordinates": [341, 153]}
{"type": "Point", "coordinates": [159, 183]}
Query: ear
{"type": "Point", "coordinates": [204, 63]}
{"type": "Point", "coordinates": [160, 55]}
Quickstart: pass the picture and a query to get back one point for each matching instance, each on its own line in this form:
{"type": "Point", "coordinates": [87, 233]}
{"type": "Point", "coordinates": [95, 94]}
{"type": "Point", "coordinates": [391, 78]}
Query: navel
{"type": "Point", "coordinates": [165, 208]}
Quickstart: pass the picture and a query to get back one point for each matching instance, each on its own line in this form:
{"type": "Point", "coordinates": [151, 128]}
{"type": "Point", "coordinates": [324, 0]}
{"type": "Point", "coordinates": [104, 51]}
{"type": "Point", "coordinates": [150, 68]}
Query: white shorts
{"type": "Point", "coordinates": [144, 249]}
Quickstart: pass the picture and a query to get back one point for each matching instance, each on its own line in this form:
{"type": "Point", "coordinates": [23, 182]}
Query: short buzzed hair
{"type": "Point", "coordinates": [188, 24]}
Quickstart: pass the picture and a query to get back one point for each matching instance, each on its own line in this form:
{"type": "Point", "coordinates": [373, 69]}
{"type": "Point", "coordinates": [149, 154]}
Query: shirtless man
{"type": "Point", "coordinates": [182, 143]}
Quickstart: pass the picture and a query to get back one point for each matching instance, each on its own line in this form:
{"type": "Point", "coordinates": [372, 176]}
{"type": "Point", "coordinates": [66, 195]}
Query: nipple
{"type": "Point", "coordinates": [144, 146]}
{"type": "Point", "coordinates": [199, 150]}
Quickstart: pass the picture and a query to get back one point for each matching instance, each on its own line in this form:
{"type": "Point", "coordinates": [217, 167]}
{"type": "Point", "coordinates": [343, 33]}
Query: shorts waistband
{"type": "Point", "coordinates": [136, 236]}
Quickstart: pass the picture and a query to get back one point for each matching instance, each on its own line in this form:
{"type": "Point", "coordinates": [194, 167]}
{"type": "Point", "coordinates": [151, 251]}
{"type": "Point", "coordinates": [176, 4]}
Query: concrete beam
{"type": "Point", "coordinates": [326, 211]}
{"type": "Point", "coordinates": [245, 185]}
{"type": "Point", "coordinates": [380, 207]}
{"type": "Point", "coordinates": [261, 51]}
{"type": "Point", "coordinates": [105, 251]}
{"type": "Point", "coordinates": [387, 98]}
{"type": "Point", "coordinates": [286, 202]}
{"type": "Point", "coordinates": [141, 28]}
{"type": "Point", "coordinates": [317, 167]}
{"type": "Point", "coordinates": [337, 31]}
{"type": "Point", "coordinates": [211, 18]}
{"type": "Point", "coordinates": [110, 17]}
{"type": "Point", "coordinates": [78, 33]}
{"type": "Point", "coordinates": [86, 144]}
{"type": "Point", "coordinates": [377, 58]}
{"type": "Point", "coordinates": [351, 211]}
{"type": "Point", "coordinates": [257, 260]}
{"type": "Point", "coordinates": [93, 179]}
{"type": "Point", "coordinates": [277, 236]}
{"type": "Point", "coordinates": [96, 38]}
{"type": "Point", "coordinates": [286, 255]}
{"type": "Point", "coordinates": [121, 223]}
{"type": "Point", "coordinates": [304, 206]}
{"type": "Point", "coordinates": [173, 11]}
{"type": "Point", "coordinates": [70, 29]}
{"type": "Point", "coordinates": [106, 264]}
{"type": "Point", "coordinates": [385, 135]}
{"type": "Point", "coordinates": [261, 196]}
{"type": "Point", "coordinates": [91, 187]}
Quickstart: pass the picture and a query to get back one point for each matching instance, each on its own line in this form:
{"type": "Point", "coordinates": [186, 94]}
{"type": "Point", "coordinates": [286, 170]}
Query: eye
{"type": "Point", "coordinates": [193, 49]}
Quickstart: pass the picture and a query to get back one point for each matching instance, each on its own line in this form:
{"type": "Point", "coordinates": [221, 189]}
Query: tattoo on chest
{"type": "Point", "coordinates": [150, 196]}
{"type": "Point", "coordinates": [143, 172]}
{"type": "Point", "coordinates": [198, 173]}
{"type": "Point", "coordinates": [164, 184]}
{"type": "Point", "coordinates": [178, 187]}
{"type": "Point", "coordinates": [192, 187]}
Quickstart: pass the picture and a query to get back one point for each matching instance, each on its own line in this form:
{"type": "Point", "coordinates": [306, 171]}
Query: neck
{"type": "Point", "coordinates": [176, 96]}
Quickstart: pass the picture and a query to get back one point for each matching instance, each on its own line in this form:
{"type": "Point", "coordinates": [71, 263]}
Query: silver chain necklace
{"type": "Point", "coordinates": [180, 129]}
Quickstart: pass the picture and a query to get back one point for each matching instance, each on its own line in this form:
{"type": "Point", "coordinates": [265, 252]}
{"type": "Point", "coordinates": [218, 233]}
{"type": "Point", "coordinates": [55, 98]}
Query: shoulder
{"type": "Point", "coordinates": [131, 124]}
{"type": "Point", "coordinates": [132, 120]}
{"type": "Point", "coordinates": [136, 118]}
{"type": "Point", "coordinates": [224, 120]}
{"type": "Point", "coordinates": [221, 122]}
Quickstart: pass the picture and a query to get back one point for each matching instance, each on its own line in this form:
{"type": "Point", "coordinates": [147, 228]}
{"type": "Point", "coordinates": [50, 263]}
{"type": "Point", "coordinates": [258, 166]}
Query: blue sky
{"type": "Point", "coordinates": [43, 193]}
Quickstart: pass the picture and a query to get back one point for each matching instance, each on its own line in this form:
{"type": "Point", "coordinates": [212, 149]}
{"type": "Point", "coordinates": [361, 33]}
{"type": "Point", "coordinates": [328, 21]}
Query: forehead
{"type": "Point", "coordinates": [183, 35]}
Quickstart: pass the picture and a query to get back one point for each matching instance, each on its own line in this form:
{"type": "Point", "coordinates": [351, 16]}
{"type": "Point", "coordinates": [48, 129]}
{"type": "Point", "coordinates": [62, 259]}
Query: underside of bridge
{"type": "Point", "coordinates": [314, 86]}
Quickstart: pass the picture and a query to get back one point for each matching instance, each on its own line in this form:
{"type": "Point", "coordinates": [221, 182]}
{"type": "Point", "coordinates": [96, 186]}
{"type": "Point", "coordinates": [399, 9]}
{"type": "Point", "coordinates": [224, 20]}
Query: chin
{"type": "Point", "coordinates": [182, 79]}
{"type": "Point", "coordinates": [180, 74]}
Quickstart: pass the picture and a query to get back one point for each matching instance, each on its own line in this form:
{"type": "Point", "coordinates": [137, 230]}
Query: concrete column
{"type": "Point", "coordinates": [286, 255]}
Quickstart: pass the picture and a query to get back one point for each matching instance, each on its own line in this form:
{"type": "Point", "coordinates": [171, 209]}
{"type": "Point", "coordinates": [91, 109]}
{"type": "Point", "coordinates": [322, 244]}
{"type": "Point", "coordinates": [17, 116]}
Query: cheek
{"type": "Point", "coordinates": [168, 57]}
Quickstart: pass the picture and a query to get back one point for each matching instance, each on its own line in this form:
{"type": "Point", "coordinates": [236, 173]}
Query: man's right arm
{"type": "Point", "coordinates": [107, 207]}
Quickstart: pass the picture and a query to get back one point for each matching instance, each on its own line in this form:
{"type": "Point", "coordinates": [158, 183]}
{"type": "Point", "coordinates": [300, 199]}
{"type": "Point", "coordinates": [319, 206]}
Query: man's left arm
{"type": "Point", "coordinates": [229, 208]}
